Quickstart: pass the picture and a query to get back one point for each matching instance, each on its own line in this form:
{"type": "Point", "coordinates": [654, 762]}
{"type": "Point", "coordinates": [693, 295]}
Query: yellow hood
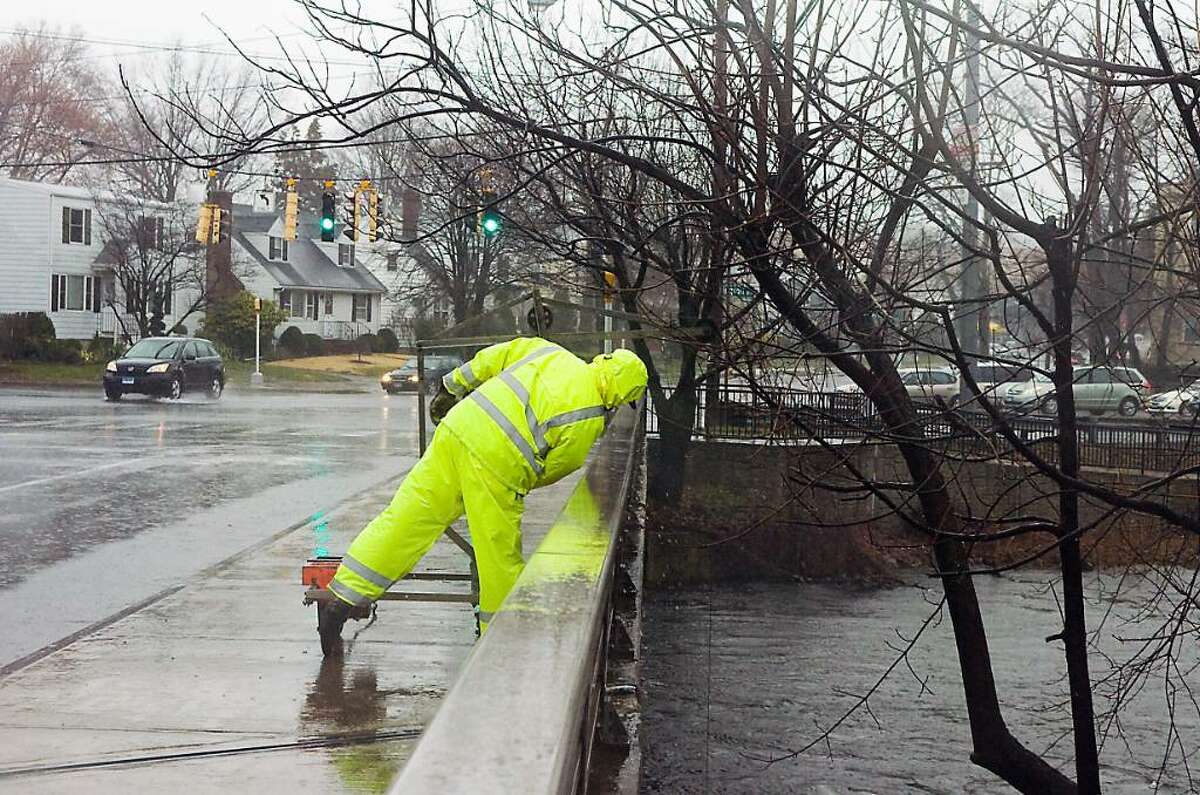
{"type": "Point", "coordinates": [620, 376]}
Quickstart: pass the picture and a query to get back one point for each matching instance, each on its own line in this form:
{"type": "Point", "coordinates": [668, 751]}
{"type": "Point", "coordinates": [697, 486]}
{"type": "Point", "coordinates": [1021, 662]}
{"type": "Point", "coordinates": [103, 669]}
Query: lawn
{"type": "Point", "coordinates": [371, 365]}
{"type": "Point", "coordinates": [238, 373]}
{"type": "Point", "coordinates": [22, 372]}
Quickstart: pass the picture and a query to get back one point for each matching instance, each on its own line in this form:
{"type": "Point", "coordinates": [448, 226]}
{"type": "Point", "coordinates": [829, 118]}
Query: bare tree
{"type": "Point", "coordinates": [48, 104]}
{"type": "Point", "coordinates": [157, 266]}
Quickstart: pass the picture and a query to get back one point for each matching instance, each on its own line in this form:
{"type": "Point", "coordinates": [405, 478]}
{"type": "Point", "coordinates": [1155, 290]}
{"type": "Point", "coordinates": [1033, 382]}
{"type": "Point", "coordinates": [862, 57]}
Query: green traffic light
{"type": "Point", "coordinates": [491, 225]}
{"type": "Point", "coordinates": [327, 224]}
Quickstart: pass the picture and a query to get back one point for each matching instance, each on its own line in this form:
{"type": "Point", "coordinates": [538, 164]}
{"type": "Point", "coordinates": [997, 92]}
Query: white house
{"type": "Point", "coordinates": [51, 260]}
{"type": "Point", "coordinates": [324, 287]}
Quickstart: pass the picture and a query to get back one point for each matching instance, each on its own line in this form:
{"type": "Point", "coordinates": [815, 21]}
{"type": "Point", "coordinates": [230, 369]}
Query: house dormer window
{"type": "Point", "coordinates": [76, 226]}
{"type": "Point", "coordinates": [277, 248]}
{"type": "Point", "coordinates": [346, 255]}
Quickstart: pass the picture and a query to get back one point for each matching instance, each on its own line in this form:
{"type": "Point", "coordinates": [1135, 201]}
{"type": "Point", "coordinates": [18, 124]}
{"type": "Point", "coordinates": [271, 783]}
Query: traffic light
{"type": "Point", "coordinates": [204, 224]}
{"type": "Point", "coordinates": [350, 217]}
{"type": "Point", "coordinates": [328, 213]}
{"type": "Point", "coordinates": [491, 223]}
{"type": "Point", "coordinates": [222, 225]}
{"type": "Point", "coordinates": [291, 210]}
{"type": "Point", "coordinates": [375, 205]}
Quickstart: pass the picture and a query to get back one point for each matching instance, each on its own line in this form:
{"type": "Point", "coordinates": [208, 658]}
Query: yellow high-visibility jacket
{"type": "Point", "coordinates": [532, 409]}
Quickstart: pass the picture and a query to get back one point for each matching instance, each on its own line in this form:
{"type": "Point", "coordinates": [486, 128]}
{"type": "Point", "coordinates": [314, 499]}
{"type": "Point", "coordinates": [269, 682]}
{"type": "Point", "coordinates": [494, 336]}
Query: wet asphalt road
{"type": "Point", "coordinates": [103, 505]}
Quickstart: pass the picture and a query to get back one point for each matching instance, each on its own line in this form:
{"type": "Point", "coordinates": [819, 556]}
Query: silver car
{"type": "Point", "coordinates": [1184, 401]}
{"type": "Point", "coordinates": [1097, 388]}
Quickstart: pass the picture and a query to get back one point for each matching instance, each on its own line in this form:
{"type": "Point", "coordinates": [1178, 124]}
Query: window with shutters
{"type": "Point", "coordinates": [393, 260]}
{"type": "Point", "coordinates": [346, 255]}
{"type": "Point", "coordinates": [328, 304]}
{"type": "Point", "coordinates": [311, 302]}
{"type": "Point", "coordinates": [76, 226]}
{"type": "Point", "coordinates": [285, 301]}
{"type": "Point", "coordinates": [75, 293]}
{"type": "Point", "coordinates": [277, 248]}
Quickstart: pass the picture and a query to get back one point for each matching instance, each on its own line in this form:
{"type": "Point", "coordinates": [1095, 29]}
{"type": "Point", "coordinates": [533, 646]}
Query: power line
{"type": "Point", "coordinates": [199, 49]}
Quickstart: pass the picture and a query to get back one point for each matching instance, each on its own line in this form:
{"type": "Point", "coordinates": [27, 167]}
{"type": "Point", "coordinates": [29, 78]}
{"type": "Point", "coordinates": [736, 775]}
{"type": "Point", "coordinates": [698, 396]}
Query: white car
{"type": "Point", "coordinates": [927, 383]}
{"type": "Point", "coordinates": [1184, 401]}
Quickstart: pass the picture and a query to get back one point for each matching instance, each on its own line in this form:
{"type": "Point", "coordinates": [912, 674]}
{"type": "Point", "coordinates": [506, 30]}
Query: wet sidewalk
{"type": "Point", "coordinates": [220, 686]}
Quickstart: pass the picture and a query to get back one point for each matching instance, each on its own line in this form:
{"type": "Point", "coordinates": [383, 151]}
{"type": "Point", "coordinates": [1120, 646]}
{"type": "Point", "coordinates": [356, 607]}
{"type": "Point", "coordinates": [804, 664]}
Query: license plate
{"type": "Point", "coordinates": [126, 380]}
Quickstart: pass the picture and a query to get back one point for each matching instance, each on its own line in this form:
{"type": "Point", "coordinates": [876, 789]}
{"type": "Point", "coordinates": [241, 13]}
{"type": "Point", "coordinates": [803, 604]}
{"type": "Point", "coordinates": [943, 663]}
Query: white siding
{"type": "Point", "coordinates": [25, 252]}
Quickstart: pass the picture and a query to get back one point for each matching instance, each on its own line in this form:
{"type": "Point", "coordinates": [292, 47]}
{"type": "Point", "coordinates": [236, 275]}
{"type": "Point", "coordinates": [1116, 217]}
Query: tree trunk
{"type": "Point", "coordinates": [676, 420]}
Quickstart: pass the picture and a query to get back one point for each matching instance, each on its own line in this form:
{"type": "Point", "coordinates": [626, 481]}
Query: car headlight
{"type": "Point", "coordinates": [387, 377]}
{"type": "Point", "coordinates": [413, 379]}
{"type": "Point", "coordinates": [159, 368]}
{"type": "Point", "coordinates": [111, 367]}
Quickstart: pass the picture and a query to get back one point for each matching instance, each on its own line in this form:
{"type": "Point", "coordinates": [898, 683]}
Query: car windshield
{"type": "Point", "coordinates": [1041, 378]}
{"type": "Point", "coordinates": [409, 366]}
{"type": "Point", "coordinates": [154, 349]}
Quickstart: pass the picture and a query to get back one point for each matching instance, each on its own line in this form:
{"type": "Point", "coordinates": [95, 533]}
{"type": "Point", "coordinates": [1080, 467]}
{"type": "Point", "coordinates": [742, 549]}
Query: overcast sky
{"type": "Point", "coordinates": [157, 22]}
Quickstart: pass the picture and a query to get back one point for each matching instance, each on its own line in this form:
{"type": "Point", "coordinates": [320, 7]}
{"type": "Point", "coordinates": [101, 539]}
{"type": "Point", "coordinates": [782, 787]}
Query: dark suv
{"type": "Point", "coordinates": [166, 367]}
{"type": "Point", "coordinates": [404, 378]}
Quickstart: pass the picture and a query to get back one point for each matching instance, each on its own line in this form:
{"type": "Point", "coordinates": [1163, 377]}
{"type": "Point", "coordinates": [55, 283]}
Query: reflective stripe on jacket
{"type": "Point", "coordinates": [532, 411]}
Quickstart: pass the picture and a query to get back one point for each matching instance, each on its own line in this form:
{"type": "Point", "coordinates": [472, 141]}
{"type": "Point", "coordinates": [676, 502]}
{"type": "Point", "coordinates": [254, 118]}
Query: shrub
{"type": "Point", "coordinates": [101, 349]}
{"type": "Point", "coordinates": [292, 341]}
{"type": "Point", "coordinates": [313, 345]}
{"type": "Point", "coordinates": [365, 343]}
{"type": "Point", "coordinates": [22, 334]}
{"type": "Point", "coordinates": [231, 322]}
{"type": "Point", "coordinates": [61, 351]}
{"type": "Point", "coordinates": [387, 341]}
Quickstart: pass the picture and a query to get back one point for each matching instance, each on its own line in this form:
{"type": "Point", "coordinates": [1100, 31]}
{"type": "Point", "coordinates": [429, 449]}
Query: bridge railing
{"type": "Point", "coordinates": [523, 713]}
{"type": "Point", "coordinates": [784, 416]}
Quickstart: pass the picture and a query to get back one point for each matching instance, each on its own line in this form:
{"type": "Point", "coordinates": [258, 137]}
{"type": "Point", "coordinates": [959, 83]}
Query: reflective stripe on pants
{"type": "Point", "coordinates": [444, 484]}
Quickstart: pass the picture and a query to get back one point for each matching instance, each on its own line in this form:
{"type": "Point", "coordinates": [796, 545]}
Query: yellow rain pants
{"type": "Point", "coordinates": [445, 483]}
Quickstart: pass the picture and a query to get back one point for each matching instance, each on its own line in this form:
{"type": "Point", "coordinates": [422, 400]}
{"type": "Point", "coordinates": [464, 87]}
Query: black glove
{"type": "Point", "coordinates": [441, 404]}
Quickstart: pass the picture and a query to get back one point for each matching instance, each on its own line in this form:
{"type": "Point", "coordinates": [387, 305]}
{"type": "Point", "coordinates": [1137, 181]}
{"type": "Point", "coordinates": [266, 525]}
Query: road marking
{"type": "Point", "coordinates": [77, 473]}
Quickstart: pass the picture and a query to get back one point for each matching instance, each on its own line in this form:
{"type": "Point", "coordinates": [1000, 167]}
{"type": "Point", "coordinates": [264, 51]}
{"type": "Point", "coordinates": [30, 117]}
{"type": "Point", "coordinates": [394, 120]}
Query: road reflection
{"type": "Point", "coordinates": [346, 699]}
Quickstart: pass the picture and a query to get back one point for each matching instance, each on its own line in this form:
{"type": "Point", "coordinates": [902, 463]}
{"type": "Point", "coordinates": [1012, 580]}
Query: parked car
{"type": "Point", "coordinates": [1183, 401]}
{"type": "Point", "coordinates": [1097, 388]}
{"type": "Point", "coordinates": [166, 367]}
{"type": "Point", "coordinates": [405, 379]}
{"type": "Point", "coordinates": [927, 383]}
{"type": "Point", "coordinates": [995, 379]}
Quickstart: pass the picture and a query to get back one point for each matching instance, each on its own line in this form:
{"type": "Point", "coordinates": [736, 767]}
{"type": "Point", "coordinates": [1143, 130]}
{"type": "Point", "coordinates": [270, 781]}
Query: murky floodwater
{"type": "Point", "coordinates": [740, 675]}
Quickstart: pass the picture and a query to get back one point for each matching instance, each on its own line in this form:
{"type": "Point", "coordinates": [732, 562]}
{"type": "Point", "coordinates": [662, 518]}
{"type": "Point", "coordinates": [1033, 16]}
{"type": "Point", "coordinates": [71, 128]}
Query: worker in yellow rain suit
{"type": "Point", "coordinates": [519, 415]}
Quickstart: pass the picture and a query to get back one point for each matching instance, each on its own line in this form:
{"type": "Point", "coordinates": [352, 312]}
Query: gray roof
{"type": "Point", "coordinates": [307, 265]}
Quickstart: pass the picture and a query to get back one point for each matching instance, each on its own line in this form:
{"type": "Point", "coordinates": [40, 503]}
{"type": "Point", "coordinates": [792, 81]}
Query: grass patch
{"type": "Point", "coordinates": [22, 372]}
{"type": "Point", "coordinates": [371, 365]}
{"type": "Point", "coordinates": [239, 373]}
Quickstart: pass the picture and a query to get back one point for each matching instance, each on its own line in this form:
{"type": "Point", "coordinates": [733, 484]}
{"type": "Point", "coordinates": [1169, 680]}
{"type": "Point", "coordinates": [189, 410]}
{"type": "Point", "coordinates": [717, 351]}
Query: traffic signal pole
{"type": "Point", "coordinates": [256, 378]}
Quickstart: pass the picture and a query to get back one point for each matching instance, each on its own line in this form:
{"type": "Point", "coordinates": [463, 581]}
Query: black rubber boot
{"type": "Point", "coordinates": [331, 616]}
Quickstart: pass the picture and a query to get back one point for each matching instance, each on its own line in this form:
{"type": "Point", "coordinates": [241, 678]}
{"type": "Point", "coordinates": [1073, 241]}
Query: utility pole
{"type": "Point", "coordinates": [972, 314]}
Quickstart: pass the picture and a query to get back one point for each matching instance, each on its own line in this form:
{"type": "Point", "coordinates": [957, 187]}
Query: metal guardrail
{"type": "Point", "coordinates": [521, 716]}
{"type": "Point", "coordinates": [785, 416]}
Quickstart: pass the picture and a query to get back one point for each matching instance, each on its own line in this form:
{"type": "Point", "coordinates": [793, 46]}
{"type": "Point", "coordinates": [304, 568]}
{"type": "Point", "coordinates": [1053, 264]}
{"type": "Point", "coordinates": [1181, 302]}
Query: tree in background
{"type": "Point", "coordinates": [303, 158]}
{"type": "Point", "coordinates": [176, 91]}
{"type": "Point", "coordinates": [155, 262]}
{"type": "Point", "coordinates": [232, 323]}
{"type": "Point", "coordinates": [50, 101]}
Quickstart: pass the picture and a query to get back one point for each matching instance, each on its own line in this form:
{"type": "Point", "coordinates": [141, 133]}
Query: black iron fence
{"type": "Point", "coordinates": [782, 416]}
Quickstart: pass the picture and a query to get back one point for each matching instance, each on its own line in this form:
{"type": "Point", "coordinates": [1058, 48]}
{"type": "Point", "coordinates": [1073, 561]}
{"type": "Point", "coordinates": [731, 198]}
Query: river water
{"type": "Point", "coordinates": [737, 676]}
